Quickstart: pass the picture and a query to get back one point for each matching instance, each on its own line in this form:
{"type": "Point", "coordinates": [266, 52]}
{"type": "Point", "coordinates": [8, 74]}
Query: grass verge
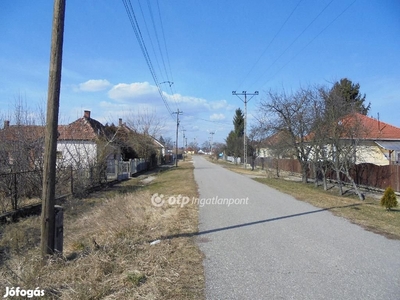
{"type": "Point", "coordinates": [369, 213]}
{"type": "Point", "coordinates": [107, 245]}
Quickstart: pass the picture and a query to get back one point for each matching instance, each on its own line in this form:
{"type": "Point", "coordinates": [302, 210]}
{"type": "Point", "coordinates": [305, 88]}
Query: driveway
{"type": "Point", "coordinates": [273, 246]}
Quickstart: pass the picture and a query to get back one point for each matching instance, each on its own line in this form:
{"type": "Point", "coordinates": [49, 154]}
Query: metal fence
{"type": "Point", "coordinates": [18, 189]}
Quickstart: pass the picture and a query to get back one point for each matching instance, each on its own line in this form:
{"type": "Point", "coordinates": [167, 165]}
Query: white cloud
{"type": "Point", "coordinates": [221, 104]}
{"type": "Point", "coordinates": [217, 117]}
{"type": "Point", "coordinates": [94, 85]}
{"type": "Point", "coordinates": [133, 91]}
{"type": "Point", "coordinates": [178, 98]}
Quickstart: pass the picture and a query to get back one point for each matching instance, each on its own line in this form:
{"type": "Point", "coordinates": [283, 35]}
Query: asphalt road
{"type": "Point", "coordinates": [275, 247]}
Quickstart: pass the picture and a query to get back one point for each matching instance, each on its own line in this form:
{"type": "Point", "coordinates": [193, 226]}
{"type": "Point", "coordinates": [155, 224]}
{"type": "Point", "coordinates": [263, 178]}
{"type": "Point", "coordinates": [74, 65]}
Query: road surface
{"type": "Point", "coordinates": [275, 247]}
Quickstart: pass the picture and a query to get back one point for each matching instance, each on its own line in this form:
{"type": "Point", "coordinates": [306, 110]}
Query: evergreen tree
{"type": "Point", "coordinates": [234, 140]}
{"type": "Point", "coordinates": [346, 96]}
{"type": "Point", "coordinates": [389, 199]}
{"type": "Point", "coordinates": [238, 123]}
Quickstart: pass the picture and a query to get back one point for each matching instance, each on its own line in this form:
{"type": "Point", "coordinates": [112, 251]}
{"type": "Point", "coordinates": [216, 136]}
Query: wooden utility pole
{"type": "Point", "coordinates": [50, 143]}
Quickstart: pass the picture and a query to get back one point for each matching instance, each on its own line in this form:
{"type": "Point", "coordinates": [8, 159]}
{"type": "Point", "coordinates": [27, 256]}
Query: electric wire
{"type": "Point", "coordinates": [269, 44]}
{"type": "Point", "coordinates": [293, 42]}
{"type": "Point", "coordinates": [165, 43]}
{"type": "Point", "coordinates": [165, 77]}
{"type": "Point", "coordinates": [315, 37]}
{"type": "Point", "coordinates": [169, 76]}
{"type": "Point", "coordinates": [157, 39]}
{"type": "Point", "coordinates": [136, 28]}
{"type": "Point", "coordinates": [150, 39]}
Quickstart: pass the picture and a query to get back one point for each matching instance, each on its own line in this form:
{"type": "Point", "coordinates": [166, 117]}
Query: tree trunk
{"type": "Point", "coordinates": [339, 182]}
{"type": "Point", "coordinates": [315, 175]}
{"type": "Point", "coordinates": [356, 189]}
{"type": "Point", "coordinates": [324, 181]}
{"type": "Point", "coordinates": [304, 167]}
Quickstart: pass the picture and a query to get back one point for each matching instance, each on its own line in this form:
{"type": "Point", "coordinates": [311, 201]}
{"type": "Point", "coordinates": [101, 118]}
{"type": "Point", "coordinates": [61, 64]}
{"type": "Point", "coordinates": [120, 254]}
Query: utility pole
{"type": "Point", "coordinates": [178, 112]}
{"type": "Point", "coordinates": [211, 142]}
{"type": "Point", "coordinates": [245, 121]}
{"type": "Point", "coordinates": [183, 143]}
{"type": "Point", "coordinates": [50, 143]}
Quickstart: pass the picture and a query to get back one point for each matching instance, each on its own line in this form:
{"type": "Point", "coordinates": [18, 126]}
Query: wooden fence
{"type": "Point", "coordinates": [368, 175]}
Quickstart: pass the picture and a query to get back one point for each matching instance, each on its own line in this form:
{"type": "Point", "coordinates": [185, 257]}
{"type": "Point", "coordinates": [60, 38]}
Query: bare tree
{"type": "Point", "coordinates": [293, 114]}
{"type": "Point", "coordinates": [343, 134]}
{"type": "Point", "coordinates": [146, 122]}
{"type": "Point", "coordinates": [169, 143]}
{"type": "Point", "coordinates": [21, 154]}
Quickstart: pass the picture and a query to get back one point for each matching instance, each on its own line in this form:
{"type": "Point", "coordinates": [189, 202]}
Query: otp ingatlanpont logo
{"type": "Point", "coordinates": [157, 200]}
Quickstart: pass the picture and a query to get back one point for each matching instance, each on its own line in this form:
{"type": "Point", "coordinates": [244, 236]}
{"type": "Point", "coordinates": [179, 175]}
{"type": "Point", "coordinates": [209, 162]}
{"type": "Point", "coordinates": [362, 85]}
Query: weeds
{"type": "Point", "coordinates": [107, 251]}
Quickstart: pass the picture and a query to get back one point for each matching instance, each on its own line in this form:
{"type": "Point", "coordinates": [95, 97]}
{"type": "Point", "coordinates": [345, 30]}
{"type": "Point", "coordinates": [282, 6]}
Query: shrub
{"type": "Point", "coordinates": [389, 199]}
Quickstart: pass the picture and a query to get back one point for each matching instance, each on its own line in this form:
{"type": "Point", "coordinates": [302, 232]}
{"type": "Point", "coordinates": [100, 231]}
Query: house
{"type": "Point", "coordinates": [190, 150]}
{"type": "Point", "coordinates": [137, 145]}
{"type": "Point", "coordinates": [20, 147]}
{"type": "Point", "coordinates": [275, 146]}
{"type": "Point", "coordinates": [83, 142]}
{"type": "Point", "coordinates": [378, 142]}
{"type": "Point", "coordinates": [160, 149]}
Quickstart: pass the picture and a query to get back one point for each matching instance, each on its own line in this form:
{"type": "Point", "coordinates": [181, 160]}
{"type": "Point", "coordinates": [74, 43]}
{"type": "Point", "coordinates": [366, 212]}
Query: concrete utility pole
{"type": "Point", "coordinates": [183, 143]}
{"type": "Point", "coordinates": [211, 140]}
{"type": "Point", "coordinates": [245, 121]}
{"type": "Point", "coordinates": [50, 143]}
{"type": "Point", "coordinates": [178, 112]}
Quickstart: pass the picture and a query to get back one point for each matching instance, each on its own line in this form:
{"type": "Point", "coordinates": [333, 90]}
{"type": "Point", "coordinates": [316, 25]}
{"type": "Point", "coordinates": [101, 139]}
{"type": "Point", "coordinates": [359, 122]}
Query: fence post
{"type": "Point", "coordinates": [15, 192]}
{"type": "Point", "coordinates": [72, 180]}
{"type": "Point", "coordinates": [59, 228]}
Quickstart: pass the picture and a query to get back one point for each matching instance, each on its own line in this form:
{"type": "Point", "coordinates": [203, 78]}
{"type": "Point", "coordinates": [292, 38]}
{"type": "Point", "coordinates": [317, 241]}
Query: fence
{"type": "Point", "coordinates": [233, 159]}
{"type": "Point", "coordinates": [15, 186]}
{"type": "Point", "coordinates": [18, 189]}
{"type": "Point", "coordinates": [368, 175]}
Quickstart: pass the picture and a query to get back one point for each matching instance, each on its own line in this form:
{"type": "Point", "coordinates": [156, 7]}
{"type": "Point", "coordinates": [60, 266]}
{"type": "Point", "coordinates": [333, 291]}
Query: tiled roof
{"type": "Point", "coordinates": [84, 129]}
{"type": "Point", "coordinates": [22, 132]}
{"type": "Point", "coordinates": [278, 138]}
{"type": "Point", "coordinates": [374, 129]}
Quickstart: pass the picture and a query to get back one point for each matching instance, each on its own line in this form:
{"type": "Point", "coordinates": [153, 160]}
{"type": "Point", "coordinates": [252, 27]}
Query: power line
{"type": "Point", "coordinates": [165, 43]}
{"type": "Point", "coordinates": [270, 43]}
{"type": "Point", "coordinates": [294, 41]}
{"type": "Point", "coordinates": [165, 74]}
{"type": "Point", "coordinates": [301, 50]}
{"type": "Point", "coordinates": [136, 28]}
{"type": "Point", "coordinates": [157, 39]}
{"type": "Point", "coordinates": [148, 34]}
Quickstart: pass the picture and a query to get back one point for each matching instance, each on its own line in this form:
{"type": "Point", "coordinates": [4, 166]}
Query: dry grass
{"type": "Point", "coordinates": [107, 251]}
{"type": "Point", "coordinates": [369, 213]}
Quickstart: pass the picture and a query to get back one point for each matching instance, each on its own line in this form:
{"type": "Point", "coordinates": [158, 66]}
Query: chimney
{"type": "Point", "coordinates": [120, 122]}
{"type": "Point", "coordinates": [6, 124]}
{"type": "Point", "coordinates": [86, 114]}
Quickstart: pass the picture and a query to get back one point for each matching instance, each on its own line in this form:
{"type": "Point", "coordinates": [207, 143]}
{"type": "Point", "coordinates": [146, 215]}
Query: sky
{"type": "Point", "coordinates": [191, 55]}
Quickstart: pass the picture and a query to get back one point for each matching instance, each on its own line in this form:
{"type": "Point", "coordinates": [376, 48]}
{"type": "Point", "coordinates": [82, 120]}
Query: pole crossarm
{"type": "Point", "coordinates": [169, 83]}
{"type": "Point", "coordinates": [245, 101]}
